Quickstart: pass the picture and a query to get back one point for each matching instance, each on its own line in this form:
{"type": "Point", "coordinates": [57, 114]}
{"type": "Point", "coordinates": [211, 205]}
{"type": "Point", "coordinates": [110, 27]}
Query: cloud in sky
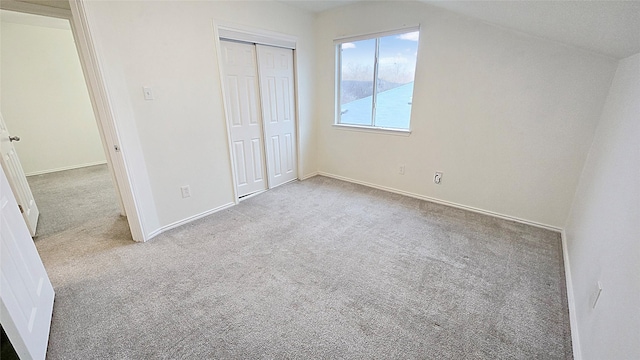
{"type": "Point", "coordinates": [348, 46]}
{"type": "Point", "coordinates": [393, 60]}
{"type": "Point", "coordinates": [412, 36]}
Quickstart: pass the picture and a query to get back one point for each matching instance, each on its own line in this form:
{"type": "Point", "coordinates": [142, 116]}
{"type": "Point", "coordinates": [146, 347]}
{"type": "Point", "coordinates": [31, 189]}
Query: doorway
{"type": "Point", "coordinates": [46, 103]}
{"type": "Point", "coordinates": [260, 103]}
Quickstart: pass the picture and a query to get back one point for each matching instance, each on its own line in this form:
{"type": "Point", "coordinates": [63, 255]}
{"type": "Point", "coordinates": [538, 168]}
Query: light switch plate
{"type": "Point", "coordinates": [186, 191]}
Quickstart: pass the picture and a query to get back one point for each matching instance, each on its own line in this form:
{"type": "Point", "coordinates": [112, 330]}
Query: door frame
{"type": "Point", "coordinates": [231, 31]}
{"type": "Point", "coordinates": [100, 101]}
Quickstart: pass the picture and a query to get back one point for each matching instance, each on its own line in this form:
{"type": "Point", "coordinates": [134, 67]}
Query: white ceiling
{"type": "Point", "coordinates": [607, 27]}
{"type": "Point", "coordinates": [34, 20]}
{"type": "Point", "coordinates": [60, 4]}
{"type": "Point", "coordinates": [317, 6]}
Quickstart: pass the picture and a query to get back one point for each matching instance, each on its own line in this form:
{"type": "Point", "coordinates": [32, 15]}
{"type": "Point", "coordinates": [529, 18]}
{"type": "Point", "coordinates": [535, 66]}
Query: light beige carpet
{"type": "Point", "coordinates": [70, 198]}
{"type": "Point", "coordinates": [318, 269]}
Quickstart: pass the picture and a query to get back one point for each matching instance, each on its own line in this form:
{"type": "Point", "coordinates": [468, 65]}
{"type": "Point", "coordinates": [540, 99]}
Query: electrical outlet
{"type": "Point", "coordinates": [186, 191]}
{"type": "Point", "coordinates": [148, 93]}
{"type": "Point", "coordinates": [437, 178]}
{"type": "Point", "coordinates": [401, 169]}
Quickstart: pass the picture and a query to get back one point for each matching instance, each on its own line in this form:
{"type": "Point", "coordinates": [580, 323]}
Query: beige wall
{"type": "Point", "coordinates": [603, 232]}
{"type": "Point", "coordinates": [507, 117]}
{"type": "Point", "coordinates": [180, 138]}
{"type": "Point", "coordinates": [44, 97]}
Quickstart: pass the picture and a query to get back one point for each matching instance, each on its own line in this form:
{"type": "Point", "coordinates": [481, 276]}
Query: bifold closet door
{"type": "Point", "coordinates": [242, 100]}
{"type": "Point", "coordinates": [278, 109]}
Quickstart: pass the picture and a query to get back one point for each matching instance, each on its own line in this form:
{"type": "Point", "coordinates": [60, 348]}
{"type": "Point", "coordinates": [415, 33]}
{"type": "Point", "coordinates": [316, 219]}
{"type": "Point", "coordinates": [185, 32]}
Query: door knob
{"type": "Point", "coordinates": [14, 138]}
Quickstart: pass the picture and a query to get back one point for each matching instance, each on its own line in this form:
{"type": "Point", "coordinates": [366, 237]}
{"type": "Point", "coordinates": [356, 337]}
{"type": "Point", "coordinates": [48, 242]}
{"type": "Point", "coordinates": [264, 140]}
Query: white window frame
{"type": "Point", "coordinates": [338, 78]}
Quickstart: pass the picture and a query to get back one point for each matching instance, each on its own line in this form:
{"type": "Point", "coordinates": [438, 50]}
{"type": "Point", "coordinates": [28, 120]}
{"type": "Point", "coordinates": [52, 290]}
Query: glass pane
{"type": "Point", "coordinates": [356, 82]}
{"type": "Point", "coordinates": [396, 70]}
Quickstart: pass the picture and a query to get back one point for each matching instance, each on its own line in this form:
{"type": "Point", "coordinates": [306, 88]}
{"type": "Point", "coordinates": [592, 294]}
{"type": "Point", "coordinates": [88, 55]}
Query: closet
{"type": "Point", "coordinates": [260, 106]}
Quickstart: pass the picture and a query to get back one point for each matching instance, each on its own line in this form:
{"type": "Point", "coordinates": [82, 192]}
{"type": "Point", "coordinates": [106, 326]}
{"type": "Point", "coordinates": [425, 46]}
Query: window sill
{"type": "Point", "coordinates": [376, 130]}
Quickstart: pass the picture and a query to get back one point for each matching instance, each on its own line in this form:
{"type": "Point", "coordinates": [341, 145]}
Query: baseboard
{"type": "Point", "coordinates": [443, 202]}
{"type": "Point", "coordinates": [308, 176]}
{"type": "Point", "coordinates": [206, 213]}
{"type": "Point", "coordinates": [188, 220]}
{"type": "Point", "coordinates": [42, 172]}
{"type": "Point", "coordinates": [575, 338]}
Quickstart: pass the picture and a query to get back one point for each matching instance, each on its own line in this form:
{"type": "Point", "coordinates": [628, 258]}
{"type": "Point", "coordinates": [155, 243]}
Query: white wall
{"type": "Point", "coordinates": [603, 229]}
{"type": "Point", "coordinates": [44, 97]}
{"type": "Point", "coordinates": [181, 137]}
{"type": "Point", "coordinates": [507, 117]}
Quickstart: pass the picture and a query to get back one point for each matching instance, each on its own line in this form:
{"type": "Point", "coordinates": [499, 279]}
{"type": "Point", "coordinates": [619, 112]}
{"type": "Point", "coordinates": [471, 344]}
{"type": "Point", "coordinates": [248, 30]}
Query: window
{"type": "Point", "coordinates": [391, 61]}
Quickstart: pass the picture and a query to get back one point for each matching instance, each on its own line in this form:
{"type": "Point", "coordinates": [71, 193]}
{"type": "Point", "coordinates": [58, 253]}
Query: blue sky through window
{"type": "Point", "coordinates": [396, 70]}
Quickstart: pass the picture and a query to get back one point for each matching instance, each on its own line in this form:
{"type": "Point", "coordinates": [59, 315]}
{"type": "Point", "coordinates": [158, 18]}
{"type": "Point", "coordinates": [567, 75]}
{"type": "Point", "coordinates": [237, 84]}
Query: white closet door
{"type": "Point", "coordinates": [26, 294]}
{"type": "Point", "coordinates": [243, 113]}
{"type": "Point", "coordinates": [277, 91]}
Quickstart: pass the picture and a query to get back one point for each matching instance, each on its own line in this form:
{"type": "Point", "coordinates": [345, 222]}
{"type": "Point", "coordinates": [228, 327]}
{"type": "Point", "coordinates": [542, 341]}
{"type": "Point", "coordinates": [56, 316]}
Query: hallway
{"type": "Point", "coordinates": [71, 198]}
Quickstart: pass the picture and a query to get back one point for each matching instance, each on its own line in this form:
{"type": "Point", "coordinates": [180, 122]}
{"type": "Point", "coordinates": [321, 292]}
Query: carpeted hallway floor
{"type": "Point", "coordinates": [71, 198]}
{"type": "Point", "coordinates": [314, 269]}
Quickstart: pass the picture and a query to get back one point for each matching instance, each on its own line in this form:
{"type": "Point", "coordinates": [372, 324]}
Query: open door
{"type": "Point", "coordinates": [26, 294]}
{"type": "Point", "coordinates": [17, 180]}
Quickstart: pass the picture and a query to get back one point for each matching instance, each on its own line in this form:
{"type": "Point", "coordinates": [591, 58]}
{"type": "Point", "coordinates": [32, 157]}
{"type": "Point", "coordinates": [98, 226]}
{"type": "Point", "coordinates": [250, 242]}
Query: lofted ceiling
{"type": "Point", "coordinates": [33, 20]}
{"type": "Point", "coordinates": [607, 27]}
{"type": "Point", "coordinates": [318, 6]}
{"type": "Point", "coordinates": [60, 4]}
{"type": "Point", "coordinates": [611, 28]}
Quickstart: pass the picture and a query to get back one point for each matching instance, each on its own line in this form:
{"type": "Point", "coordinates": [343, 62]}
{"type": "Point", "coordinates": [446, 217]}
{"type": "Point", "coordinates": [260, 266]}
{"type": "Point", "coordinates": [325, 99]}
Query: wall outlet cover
{"type": "Point", "coordinates": [437, 178]}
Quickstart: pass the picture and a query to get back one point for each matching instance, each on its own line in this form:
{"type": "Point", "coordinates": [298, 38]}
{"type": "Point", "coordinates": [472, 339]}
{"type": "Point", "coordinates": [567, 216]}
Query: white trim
{"type": "Point", "coordinates": [443, 202]}
{"type": "Point", "coordinates": [296, 103]}
{"type": "Point", "coordinates": [262, 122]}
{"type": "Point", "coordinates": [309, 176]}
{"type": "Point", "coordinates": [188, 220]}
{"type": "Point", "coordinates": [35, 9]}
{"type": "Point", "coordinates": [64, 168]}
{"type": "Point", "coordinates": [256, 36]}
{"type": "Point", "coordinates": [105, 119]}
{"type": "Point", "coordinates": [89, 67]}
{"type": "Point", "coordinates": [337, 80]}
{"type": "Point", "coordinates": [571, 300]}
{"type": "Point", "coordinates": [345, 39]}
{"type": "Point", "coordinates": [223, 91]}
{"type": "Point", "coordinates": [373, 129]}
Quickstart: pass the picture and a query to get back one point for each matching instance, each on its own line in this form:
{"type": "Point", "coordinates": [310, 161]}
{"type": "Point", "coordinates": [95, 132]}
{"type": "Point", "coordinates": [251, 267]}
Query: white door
{"type": "Point", "coordinates": [26, 294]}
{"type": "Point", "coordinates": [275, 66]}
{"type": "Point", "coordinates": [17, 180]}
{"type": "Point", "coordinates": [242, 102]}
